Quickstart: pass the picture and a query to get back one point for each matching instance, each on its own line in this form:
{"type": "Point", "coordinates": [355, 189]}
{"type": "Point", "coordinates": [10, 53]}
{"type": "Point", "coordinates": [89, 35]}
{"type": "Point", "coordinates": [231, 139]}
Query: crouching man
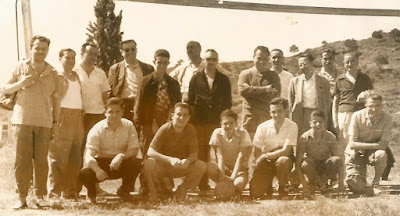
{"type": "Point", "coordinates": [111, 151]}
{"type": "Point", "coordinates": [317, 156]}
{"type": "Point", "coordinates": [369, 134]}
{"type": "Point", "coordinates": [232, 146]}
{"type": "Point", "coordinates": [274, 141]}
{"type": "Point", "coordinates": [173, 154]}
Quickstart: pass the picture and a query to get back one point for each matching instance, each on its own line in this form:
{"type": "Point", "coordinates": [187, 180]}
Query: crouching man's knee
{"type": "Point", "coordinates": [380, 158]}
{"type": "Point", "coordinates": [334, 163]}
{"type": "Point", "coordinates": [199, 166]}
{"type": "Point", "coordinates": [149, 165]}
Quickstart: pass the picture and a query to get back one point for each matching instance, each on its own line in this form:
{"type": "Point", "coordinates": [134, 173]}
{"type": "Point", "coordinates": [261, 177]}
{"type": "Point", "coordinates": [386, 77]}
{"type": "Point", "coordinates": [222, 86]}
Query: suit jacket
{"type": "Point", "coordinates": [147, 96]}
{"type": "Point", "coordinates": [206, 104]}
{"type": "Point", "coordinates": [296, 97]}
{"type": "Point", "coordinates": [117, 81]}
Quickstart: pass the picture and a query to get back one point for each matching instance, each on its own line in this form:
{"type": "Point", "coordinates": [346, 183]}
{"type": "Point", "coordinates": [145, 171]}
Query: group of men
{"type": "Point", "coordinates": [140, 120]}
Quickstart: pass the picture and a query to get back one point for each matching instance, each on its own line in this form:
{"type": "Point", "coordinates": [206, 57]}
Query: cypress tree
{"type": "Point", "coordinates": [105, 32]}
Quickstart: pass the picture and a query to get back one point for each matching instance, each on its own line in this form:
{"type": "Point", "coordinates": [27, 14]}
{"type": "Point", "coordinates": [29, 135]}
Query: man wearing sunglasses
{"type": "Point", "coordinates": [125, 77]}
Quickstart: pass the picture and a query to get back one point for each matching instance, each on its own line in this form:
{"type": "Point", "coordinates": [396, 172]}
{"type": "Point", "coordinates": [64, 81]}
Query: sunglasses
{"type": "Point", "coordinates": [130, 49]}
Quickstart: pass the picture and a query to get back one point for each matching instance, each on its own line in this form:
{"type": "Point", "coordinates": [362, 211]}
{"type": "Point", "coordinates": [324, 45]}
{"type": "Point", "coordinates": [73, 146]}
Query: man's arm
{"type": "Point", "coordinates": [249, 91]}
{"type": "Point", "coordinates": [56, 97]}
{"type": "Point", "coordinates": [299, 160]}
{"type": "Point", "coordinates": [91, 163]}
{"type": "Point", "coordinates": [292, 94]}
{"type": "Point", "coordinates": [160, 157]}
{"type": "Point", "coordinates": [220, 159]}
{"type": "Point", "coordinates": [335, 111]}
{"type": "Point", "coordinates": [241, 160]}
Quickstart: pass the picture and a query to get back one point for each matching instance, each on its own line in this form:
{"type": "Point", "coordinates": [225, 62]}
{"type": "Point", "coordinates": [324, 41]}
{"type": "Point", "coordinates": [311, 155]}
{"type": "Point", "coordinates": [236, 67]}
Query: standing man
{"type": "Point", "coordinates": [65, 152]}
{"type": "Point", "coordinates": [274, 142]}
{"type": "Point", "coordinates": [258, 86]}
{"type": "Point", "coordinates": [277, 60]}
{"type": "Point", "coordinates": [185, 72]}
{"type": "Point", "coordinates": [94, 86]}
{"type": "Point", "coordinates": [34, 119]}
{"type": "Point", "coordinates": [125, 77]}
{"type": "Point", "coordinates": [348, 87]}
{"type": "Point", "coordinates": [209, 95]}
{"type": "Point", "coordinates": [328, 70]}
{"type": "Point", "coordinates": [173, 154]}
{"type": "Point", "coordinates": [111, 152]}
{"type": "Point", "coordinates": [308, 92]}
{"type": "Point", "coordinates": [369, 136]}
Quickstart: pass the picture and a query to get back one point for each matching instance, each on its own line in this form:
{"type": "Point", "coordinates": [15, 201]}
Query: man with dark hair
{"type": "Point", "coordinates": [125, 77]}
{"type": "Point", "coordinates": [173, 154]}
{"type": "Point", "coordinates": [276, 59]}
{"type": "Point", "coordinates": [34, 119]}
{"type": "Point", "coordinates": [94, 86]}
{"type": "Point", "coordinates": [65, 152]}
{"type": "Point", "coordinates": [369, 135]}
{"type": "Point", "coordinates": [258, 86]}
{"type": "Point", "coordinates": [156, 98]}
{"type": "Point", "coordinates": [111, 152]}
{"type": "Point", "coordinates": [317, 156]}
{"type": "Point", "coordinates": [274, 141]}
{"type": "Point", "coordinates": [232, 146]}
{"type": "Point", "coordinates": [328, 70]}
{"type": "Point", "coordinates": [184, 73]}
{"type": "Point", "coordinates": [308, 92]}
{"type": "Point", "coordinates": [209, 95]}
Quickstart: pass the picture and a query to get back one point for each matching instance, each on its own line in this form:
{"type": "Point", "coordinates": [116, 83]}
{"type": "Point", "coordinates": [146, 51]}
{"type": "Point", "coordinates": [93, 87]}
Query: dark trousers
{"type": "Point", "coordinates": [128, 108]}
{"type": "Point", "coordinates": [128, 171]}
{"type": "Point", "coordinates": [204, 132]}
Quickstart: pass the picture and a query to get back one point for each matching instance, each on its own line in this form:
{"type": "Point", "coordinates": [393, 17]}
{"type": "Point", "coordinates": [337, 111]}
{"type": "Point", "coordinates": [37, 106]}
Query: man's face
{"type": "Point", "coordinates": [39, 50]}
{"type": "Point", "coordinates": [304, 65]}
{"type": "Point", "coordinates": [129, 52]}
{"type": "Point", "coordinates": [114, 113]}
{"type": "Point", "coordinates": [276, 58]}
{"type": "Point", "coordinates": [327, 59]}
{"type": "Point", "coordinates": [260, 60]}
{"type": "Point", "coordinates": [68, 60]}
{"type": "Point", "coordinates": [211, 60]}
{"type": "Point", "coordinates": [90, 56]}
{"type": "Point", "coordinates": [317, 123]}
{"type": "Point", "coordinates": [193, 50]}
{"type": "Point", "coordinates": [180, 117]}
{"type": "Point", "coordinates": [228, 124]}
{"type": "Point", "coordinates": [161, 63]}
{"type": "Point", "coordinates": [277, 112]}
{"type": "Point", "coordinates": [350, 62]}
{"type": "Point", "coordinates": [374, 107]}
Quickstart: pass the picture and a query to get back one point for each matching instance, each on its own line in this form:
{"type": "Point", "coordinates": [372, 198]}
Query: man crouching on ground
{"type": "Point", "coordinates": [173, 154]}
{"type": "Point", "coordinates": [111, 151]}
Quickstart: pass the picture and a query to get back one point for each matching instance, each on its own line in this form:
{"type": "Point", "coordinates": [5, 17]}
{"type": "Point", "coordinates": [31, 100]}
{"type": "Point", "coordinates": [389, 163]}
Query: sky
{"type": "Point", "coordinates": [233, 33]}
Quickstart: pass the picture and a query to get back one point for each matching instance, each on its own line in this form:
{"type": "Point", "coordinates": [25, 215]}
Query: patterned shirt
{"type": "Point", "coordinates": [163, 105]}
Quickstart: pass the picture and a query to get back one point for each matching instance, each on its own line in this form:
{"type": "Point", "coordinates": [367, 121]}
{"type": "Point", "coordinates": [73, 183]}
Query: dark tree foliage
{"type": "Point", "coordinates": [105, 32]}
{"type": "Point", "coordinates": [351, 45]}
{"type": "Point", "coordinates": [395, 33]}
{"type": "Point", "coordinates": [377, 34]}
{"type": "Point", "coordinates": [294, 48]}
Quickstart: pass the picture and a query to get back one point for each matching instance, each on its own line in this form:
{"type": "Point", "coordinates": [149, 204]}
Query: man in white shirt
{"type": "Point", "coordinates": [125, 77]}
{"type": "Point", "coordinates": [274, 141]}
{"type": "Point", "coordinates": [276, 59]}
{"type": "Point", "coordinates": [111, 152]}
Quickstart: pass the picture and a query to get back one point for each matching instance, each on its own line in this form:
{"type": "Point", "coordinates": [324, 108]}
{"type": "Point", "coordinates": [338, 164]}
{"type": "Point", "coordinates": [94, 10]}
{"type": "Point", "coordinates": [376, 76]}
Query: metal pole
{"type": "Point", "coordinates": [16, 26]}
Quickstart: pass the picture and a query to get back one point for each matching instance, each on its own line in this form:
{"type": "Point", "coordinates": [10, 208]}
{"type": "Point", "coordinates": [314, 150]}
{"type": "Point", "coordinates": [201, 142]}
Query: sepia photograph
{"type": "Point", "coordinates": [200, 107]}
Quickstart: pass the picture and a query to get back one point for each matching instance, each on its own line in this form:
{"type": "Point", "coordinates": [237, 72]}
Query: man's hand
{"type": "Point", "coordinates": [258, 160]}
{"type": "Point", "coordinates": [27, 80]}
{"type": "Point", "coordinates": [185, 163]}
{"type": "Point", "coordinates": [270, 89]}
{"type": "Point", "coordinates": [55, 131]}
{"type": "Point", "coordinates": [176, 162]}
{"type": "Point", "coordinates": [116, 162]}
{"type": "Point", "coordinates": [101, 175]}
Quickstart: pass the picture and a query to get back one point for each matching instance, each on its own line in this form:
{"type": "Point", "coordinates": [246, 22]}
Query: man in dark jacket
{"type": "Point", "coordinates": [209, 95]}
{"type": "Point", "coordinates": [125, 77]}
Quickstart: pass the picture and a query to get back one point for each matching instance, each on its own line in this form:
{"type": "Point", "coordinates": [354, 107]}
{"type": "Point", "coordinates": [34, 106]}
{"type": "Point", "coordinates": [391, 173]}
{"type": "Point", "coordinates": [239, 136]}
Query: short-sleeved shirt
{"type": "Point", "coordinates": [108, 142]}
{"type": "Point", "coordinates": [347, 92]}
{"type": "Point", "coordinates": [268, 139]}
{"type": "Point", "coordinates": [321, 150]}
{"type": "Point", "coordinates": [230, 148]}
{"type": "Point", "coordinates": [362, 129]}
{"type": "Point", "coordinates": [93, 87]}
{"type": "Point", "coordinates": [170, 143]}
{"type": "Point", "coordinates": [33, 105]}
